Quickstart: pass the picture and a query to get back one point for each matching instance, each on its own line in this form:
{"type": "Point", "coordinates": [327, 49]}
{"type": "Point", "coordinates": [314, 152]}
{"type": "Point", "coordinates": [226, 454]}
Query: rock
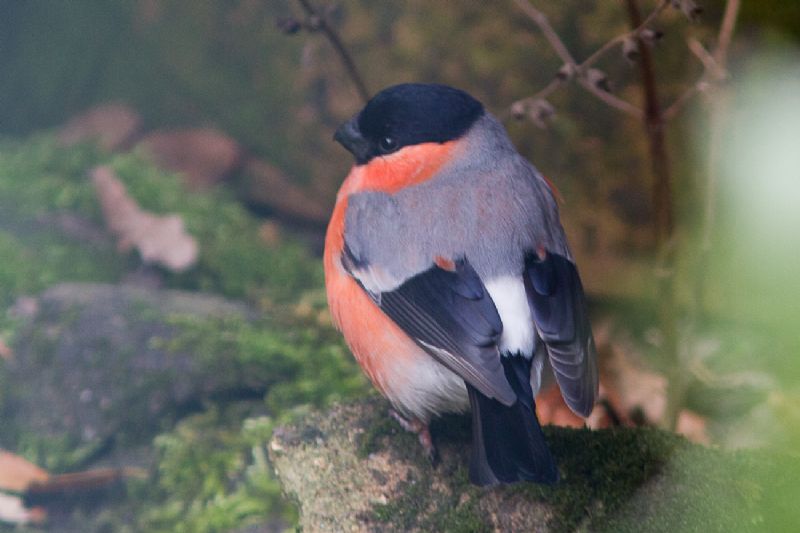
{"type": "Point", "coordinates": [204, 156]}
{"type": "Point", "coordinates": [353, 469]}
{"type": "Point", "coordinates": [99, 363]}
{"type": "Point", "coordinates": [268, 187]}
{"type": "Point", "coordinates": [113, 126]}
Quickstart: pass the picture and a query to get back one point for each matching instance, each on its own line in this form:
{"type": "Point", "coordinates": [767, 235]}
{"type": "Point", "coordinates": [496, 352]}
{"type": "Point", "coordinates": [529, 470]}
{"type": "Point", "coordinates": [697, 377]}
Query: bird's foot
{"type": "Point", "coordinates": [415, 425]}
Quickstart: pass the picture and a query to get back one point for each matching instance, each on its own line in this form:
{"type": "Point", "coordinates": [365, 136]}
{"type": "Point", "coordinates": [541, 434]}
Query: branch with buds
{"type": "Point", "coordinates": [591, 79]}
{"type": "Point", "coordinates": [634, 47]}
{"type": "Point", "coordinates": [316, 21]}
{"type": "Point", "coordinates": [538, 110]}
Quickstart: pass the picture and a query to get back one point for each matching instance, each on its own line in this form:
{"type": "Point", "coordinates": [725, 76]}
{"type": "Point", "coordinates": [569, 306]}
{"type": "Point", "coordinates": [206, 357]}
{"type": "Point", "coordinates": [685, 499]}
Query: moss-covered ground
{"type": "Point", "coordinates": [620, 480]}
{"type": "Point", "coordinates": [209, 472]}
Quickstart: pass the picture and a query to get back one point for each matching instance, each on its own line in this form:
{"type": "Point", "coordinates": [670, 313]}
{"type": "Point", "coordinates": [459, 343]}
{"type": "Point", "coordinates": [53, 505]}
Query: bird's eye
{"type": "Point", "coordinates": [388, 145]}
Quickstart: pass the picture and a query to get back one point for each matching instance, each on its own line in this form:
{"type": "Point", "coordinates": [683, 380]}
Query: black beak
{"type": "Point", "coordinates": [349, 136]}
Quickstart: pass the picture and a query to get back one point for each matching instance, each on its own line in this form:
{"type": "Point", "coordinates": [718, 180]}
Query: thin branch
{"type": "Point", "coordinates": [706, 58]}
{"type": "Point", "coordinates": [726, 31]}
{"type": "Point", "coordinates": [719, 60]}
{"type": "Point", "coordinates": [611, 100]}
{"type": "Point", "coordinates": [322, 25]}
{"type": "Point", "coordinates": [677, 106]}
{"type": "Point", "coordinates": [519, 108]}
{"type": "Point", "coordinates": [580, 69]}
{"type": "Point", "coordinates": [550, 34]}
{"type": "Point", "coordinates": [633, 34]}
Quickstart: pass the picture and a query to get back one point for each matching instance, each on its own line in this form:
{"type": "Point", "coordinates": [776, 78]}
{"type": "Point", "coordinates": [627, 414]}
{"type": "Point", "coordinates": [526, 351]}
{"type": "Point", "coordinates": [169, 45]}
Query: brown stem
{"type": "Point", "coordinates": [338, 46]}
{"type": "Point", "coordinates": [654, 125]}
{"type": "Point", "coordinates": [663, 221]}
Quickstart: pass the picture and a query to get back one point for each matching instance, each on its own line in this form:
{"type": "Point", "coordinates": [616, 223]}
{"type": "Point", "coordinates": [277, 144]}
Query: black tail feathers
{"type": "Point", "coordinates": [507, 442]}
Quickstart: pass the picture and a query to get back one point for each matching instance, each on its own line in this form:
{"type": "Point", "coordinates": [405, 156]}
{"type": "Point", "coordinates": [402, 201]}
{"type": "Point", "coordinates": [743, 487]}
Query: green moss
{"type": "Point", "coordinates": [213, 475]}
{"type": "Point", "coordinates": [295, 363]}
{"type": "Point", "coordinates": [40, 180]}
{"type": "Point", "coordinates": [612, 480]}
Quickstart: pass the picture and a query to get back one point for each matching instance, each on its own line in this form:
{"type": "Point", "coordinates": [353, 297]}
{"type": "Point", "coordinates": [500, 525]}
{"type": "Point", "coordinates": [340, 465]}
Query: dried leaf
{"type": "Point", "coordinates": [631, 388]}
{"type": "Point", "coordinates": [551, 409]}
{"type": "Point", "coordinates": [17, 474]}
{"type": "Point", "coordinates": [693, 427]}
{"type": "Point", "coordinates": [13, 511]}
{"type": "Point", "coordinates": [638, 395]}
{"type": "Point", "coordinates": [159, 239]}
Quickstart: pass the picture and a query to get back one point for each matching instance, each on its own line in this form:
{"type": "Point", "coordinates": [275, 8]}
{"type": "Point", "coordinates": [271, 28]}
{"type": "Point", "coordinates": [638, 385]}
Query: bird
{"type": "Point", "coordinates": [449, 275]}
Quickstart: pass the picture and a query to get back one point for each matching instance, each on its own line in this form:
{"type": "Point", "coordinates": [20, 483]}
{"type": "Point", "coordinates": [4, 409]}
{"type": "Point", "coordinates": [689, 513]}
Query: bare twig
{"type": "Point", "coordinates": [714, 63]}
{"type": "Point", "coordinates": [707, 59]}
{"type": "Point", "coordinates": [633, 34]}
{"type": "Point", "coordinates": [579, 70]}
{"type": "Point", "coordinates": [617, 103]}
{"type": "Point", "coordinates": [726, 30]}
{"type": "Point", "coordinates": [319, 22]}
{"type": "Point", "coordinates": [549, 33]}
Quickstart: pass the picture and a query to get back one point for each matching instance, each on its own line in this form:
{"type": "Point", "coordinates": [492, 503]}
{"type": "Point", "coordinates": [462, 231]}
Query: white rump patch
{"type": "Point", "coordinates": [508, 294]}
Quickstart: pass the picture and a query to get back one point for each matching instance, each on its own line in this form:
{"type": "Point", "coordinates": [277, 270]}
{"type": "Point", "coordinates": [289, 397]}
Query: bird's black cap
{"type": "Point", "coordinates": [408, 114]}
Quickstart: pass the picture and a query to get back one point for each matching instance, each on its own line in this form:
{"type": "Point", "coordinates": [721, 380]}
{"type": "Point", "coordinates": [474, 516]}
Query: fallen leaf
{"type": "Point", "coordinates": [17, 474]}
{"type": "Point", "coordinates": [630, 387]}
{"type": "Point", "coordinates": [693, 427]}
{"type": "Point", "coordinates": [13, 511]}
{"type": "Point", "coordinates": [551, 409]}
{"type": "Point", "coordinates": [159, 239]}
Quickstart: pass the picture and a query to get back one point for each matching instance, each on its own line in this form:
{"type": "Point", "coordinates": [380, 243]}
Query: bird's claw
{"type": "Point", "coordinates": [414, 425]}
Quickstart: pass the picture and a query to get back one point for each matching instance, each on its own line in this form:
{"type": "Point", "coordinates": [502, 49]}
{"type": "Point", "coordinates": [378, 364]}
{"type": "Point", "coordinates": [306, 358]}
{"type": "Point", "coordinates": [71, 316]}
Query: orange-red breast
{"type": "Point", "coordinates": [448, 272]}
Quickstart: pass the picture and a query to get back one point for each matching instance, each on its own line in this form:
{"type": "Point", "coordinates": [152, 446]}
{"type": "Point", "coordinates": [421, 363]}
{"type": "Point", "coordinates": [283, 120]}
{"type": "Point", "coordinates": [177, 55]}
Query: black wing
{"type": "Point", "coordinates": [451, 316]}
{"type": "Point", "coordinates": [559, 311]}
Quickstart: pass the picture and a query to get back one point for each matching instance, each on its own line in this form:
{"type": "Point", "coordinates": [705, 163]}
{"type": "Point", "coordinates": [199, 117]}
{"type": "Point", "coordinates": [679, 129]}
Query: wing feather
{"type": "Point", "coordinates": [452, 317]}
{"type": "Point", "coordinates": [562, 323]}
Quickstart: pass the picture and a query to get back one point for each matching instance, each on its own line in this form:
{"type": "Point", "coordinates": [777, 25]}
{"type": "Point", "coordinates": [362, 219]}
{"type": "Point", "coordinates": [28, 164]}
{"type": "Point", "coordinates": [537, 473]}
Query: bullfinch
{"type": "Point", "coordinates": [449, 275]}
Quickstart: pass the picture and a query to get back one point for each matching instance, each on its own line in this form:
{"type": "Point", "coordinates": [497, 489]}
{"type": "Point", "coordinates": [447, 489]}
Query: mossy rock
{"type": "Point", "coordinates": [353, 469]}
{"type": "Point", "coordinates": [99, 363]}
